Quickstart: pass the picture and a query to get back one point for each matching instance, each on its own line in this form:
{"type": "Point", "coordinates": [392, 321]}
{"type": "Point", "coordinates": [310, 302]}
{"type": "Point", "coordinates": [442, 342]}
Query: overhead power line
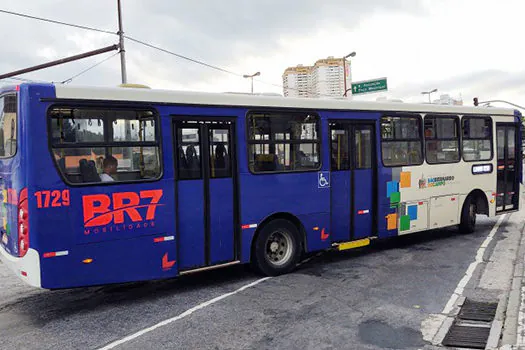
{"type": "Point", "coordinates": [57, 22]}
{"type": "Point", "coordinates": [207, 64]}
{"type": "Point", "coordinates": [182, 56]}
{"type": "Point", "coordinates": [89, 68]}
{"type": "Point", "coordinates": [142, 43]}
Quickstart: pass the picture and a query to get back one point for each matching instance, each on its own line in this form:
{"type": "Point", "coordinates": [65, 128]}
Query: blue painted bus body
{"type": "Point", "coordinates": [128, 251]}
{"type": "Point", "coordinates": [12, 181]}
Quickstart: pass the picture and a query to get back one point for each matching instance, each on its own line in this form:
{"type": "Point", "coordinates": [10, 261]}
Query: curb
{"type": "Point", "coordinates": [507, 315]}
{"type": "Point", "coordinates": [447, 322]}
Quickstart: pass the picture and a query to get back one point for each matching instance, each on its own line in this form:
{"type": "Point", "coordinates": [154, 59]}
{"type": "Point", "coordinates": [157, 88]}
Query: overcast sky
{"type": "Point", "coordinates": [461, 47]}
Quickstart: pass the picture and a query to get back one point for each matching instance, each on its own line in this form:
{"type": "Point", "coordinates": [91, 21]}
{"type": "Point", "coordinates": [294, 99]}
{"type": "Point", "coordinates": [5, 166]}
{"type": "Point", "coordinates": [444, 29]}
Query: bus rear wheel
{"type": "Point", "coordinates": [277, 248]}
{"type": "Point", "coordinates": [468, 216]}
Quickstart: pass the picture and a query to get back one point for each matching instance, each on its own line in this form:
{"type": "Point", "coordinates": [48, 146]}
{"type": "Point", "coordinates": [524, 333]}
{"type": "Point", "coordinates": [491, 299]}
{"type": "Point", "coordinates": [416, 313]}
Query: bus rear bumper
{"type": "Point", "coordinates": [26, 268]}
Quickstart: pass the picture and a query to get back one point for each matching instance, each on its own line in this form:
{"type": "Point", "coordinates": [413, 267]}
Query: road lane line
{"type": "Point", "coordinates": [472, 267]}
{"type": "Point", "coordinates": [181, 316]}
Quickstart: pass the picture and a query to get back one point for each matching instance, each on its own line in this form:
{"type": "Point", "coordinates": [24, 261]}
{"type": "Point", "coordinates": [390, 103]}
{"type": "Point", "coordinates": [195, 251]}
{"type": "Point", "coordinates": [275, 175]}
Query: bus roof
{"type": "Point", "coordinates": [242, 100]}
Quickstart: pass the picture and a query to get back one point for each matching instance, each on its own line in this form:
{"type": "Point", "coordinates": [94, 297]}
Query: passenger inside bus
{"type": "Point", "coordinates": [110, 168]}
{"type": "Point", "coordinates": [88, 171]}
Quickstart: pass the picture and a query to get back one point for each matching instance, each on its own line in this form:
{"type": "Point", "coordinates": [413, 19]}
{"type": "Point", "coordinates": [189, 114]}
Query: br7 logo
{"type": "Point", "coordinates": [101, 209]}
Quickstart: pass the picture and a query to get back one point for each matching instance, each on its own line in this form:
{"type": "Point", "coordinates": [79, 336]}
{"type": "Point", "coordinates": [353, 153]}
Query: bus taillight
{"type": "Point", "coordinates": [23, 223]}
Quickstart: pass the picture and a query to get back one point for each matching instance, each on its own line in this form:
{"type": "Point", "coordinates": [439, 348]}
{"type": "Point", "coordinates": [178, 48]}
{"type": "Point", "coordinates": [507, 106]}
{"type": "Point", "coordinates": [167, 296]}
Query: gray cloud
{"type": "Point", "coordinates": [221, 33]}
{"type": "Point", "coordinates": [487, 84]}
{"type": "Point", "coordinates": [255, 26]}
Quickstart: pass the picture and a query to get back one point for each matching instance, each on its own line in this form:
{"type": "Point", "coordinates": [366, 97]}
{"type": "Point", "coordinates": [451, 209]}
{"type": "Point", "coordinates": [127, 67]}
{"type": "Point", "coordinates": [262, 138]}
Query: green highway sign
{"type": "Point", "coordinates": [363, 87]}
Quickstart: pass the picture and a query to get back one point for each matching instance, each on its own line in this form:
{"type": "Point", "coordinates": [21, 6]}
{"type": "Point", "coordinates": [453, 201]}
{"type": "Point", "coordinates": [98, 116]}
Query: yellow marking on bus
{"type": "Point", "coordinates": [354, 244]}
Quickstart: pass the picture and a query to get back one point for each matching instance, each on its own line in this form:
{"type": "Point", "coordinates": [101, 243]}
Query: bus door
{"type": "Point", "coordinates": [206, 193]}
{"type": "Point", "coordinates": [507, 167]}
{"type": "Point", "coordinates": [353, 176]}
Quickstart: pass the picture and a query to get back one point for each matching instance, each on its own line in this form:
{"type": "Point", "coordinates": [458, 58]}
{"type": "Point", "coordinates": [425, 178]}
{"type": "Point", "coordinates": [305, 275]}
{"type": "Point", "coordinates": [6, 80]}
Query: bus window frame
{"type": "Point", "coordinates": [459, 130]}
{"type": "Point", "coordinates": [417, 115]}
{"type": "Point", "coordinates": [111, 107]}
{"type": "Point", "coordinates": [346, 131]}
{"type": "Point", "coordinates": [17, 125]}
{"type": "Point", "coordinates": [318, 142]}
{"type": "Point", "coordinates": [491, 138]}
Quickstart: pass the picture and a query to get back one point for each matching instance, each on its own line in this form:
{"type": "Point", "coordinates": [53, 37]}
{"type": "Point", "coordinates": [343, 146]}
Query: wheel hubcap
{"type": "Point", "coordinates": [279, 248]}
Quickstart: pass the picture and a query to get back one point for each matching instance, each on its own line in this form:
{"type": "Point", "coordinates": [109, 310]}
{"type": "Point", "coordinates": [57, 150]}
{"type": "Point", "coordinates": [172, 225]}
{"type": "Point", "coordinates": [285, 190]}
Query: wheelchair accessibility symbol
{"type": "Point", "coordinates": [323, 179]}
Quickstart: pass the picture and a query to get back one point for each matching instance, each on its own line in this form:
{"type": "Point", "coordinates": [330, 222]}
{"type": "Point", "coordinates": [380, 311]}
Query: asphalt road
{"type": "Point", "coordinates": [373, 298]}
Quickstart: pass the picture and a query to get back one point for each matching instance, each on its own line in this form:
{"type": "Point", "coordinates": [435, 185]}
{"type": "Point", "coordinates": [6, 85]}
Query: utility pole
{"type": "Point", "coordinates": [121, 45]}
{"type": "Point", "coordinates": [60, 61]}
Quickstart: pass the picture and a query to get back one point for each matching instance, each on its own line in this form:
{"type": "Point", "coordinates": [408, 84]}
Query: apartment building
{"type": "Point", "coordinates": [324, 79]}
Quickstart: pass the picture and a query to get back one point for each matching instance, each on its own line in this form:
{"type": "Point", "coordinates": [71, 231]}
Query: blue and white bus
{"type": "Point", "coordinates": [111, 185]}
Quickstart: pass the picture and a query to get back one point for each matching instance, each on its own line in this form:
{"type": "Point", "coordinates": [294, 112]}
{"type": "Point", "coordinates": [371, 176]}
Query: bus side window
{"type": "Point", "coordinates": [401, 142]}
{"type": "Point", "coordinates": [442, 139]}
{"type": "Point", "coordinates": [283, 141]}
{"type": "Point", "coordinates": [82, 137]}
{"type": "Point", "coordinates": [477, 138]}
{"type": "Point", "coordinates": [189, 162]}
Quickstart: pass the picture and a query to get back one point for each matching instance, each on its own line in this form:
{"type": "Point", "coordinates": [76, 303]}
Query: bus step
{"type": "Point", "coordinates": [353, 244]}
{"type": "Point", "coordinates": [207, 268]}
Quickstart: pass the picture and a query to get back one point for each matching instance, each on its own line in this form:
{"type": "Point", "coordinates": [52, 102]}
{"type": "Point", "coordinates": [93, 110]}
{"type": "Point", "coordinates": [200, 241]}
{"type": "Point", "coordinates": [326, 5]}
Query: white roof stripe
{"type": "Point", "coordinates": [242, 100]}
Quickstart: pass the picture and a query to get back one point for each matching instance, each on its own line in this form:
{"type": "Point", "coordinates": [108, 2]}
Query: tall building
{"type": "Point", "coordinates": [297, 81]}
{"type": "Point", "coordinates": [324, 79]}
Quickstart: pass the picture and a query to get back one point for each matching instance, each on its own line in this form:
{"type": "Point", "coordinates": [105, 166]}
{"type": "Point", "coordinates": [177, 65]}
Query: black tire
{"type": "Point", "coordinates": [468, 216]}
{"type": "Point", "coordinates": [277, 248]}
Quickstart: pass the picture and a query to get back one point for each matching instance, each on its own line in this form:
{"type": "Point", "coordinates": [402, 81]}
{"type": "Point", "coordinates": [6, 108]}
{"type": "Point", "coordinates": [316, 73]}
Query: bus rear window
{"type": "Point", "coordinates": [92, 145]}
{"type": "Point", "coordinates": [8, 125]}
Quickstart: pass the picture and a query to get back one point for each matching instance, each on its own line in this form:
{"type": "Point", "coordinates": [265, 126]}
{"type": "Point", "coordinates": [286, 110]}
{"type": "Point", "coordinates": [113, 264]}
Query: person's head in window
{"type": "Point", "coordinates": [100, 164]}
{"type": "Point", "coordinates": [109, 168]}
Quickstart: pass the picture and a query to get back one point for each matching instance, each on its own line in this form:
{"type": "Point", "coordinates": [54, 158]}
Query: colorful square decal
{"type": "Point", "coordinates": [391, 221]}
{"type": "Point", "coordinates": [404, 223]}
{"type": "Point", "coordinates": [391, 187]}
{"type": "Point", "coordinates": [395, 197]}
{"type": "Point", "coordinates": [405, 179]}
{"type": "Point", "coordinates": [412, 212]}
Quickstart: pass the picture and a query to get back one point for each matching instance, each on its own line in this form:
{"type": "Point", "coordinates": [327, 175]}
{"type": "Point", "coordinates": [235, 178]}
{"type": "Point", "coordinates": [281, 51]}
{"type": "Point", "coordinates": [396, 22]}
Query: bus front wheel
{"type": "Point", "coordinates": [277, 248]}
{"type": "Point", "coordinates": [468, 216]}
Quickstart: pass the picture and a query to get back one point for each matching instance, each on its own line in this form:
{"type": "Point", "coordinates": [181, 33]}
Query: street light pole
{"type": "Point", "coordinates": [121, 44]}
{"type": "Point", "coordinates": [352, 54]}
{"type": "Point", "coordinates": [429, 93]}
{"type": "Point", "coordinates": [251, 77]}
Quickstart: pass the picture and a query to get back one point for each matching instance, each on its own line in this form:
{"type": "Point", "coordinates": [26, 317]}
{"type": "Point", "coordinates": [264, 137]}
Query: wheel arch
{"type": "Point", "coordinates": [280, 215]}
{"type": "Point", "coordinates": [480, 199]}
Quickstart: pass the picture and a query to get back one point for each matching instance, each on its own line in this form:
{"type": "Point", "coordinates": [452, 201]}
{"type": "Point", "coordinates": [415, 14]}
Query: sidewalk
{"type": "Point", "coordinates": [497, 277]}
{"type": "Point", "coordinates": [513, 315]}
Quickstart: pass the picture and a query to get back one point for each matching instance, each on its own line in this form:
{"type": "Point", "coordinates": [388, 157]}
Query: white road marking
{"type": "Point", "coordinates": [432, 325]}
{"type": "Point", "coordinates": [468, 274]}
{"type": "Point", "coordinates": [181, 316]}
